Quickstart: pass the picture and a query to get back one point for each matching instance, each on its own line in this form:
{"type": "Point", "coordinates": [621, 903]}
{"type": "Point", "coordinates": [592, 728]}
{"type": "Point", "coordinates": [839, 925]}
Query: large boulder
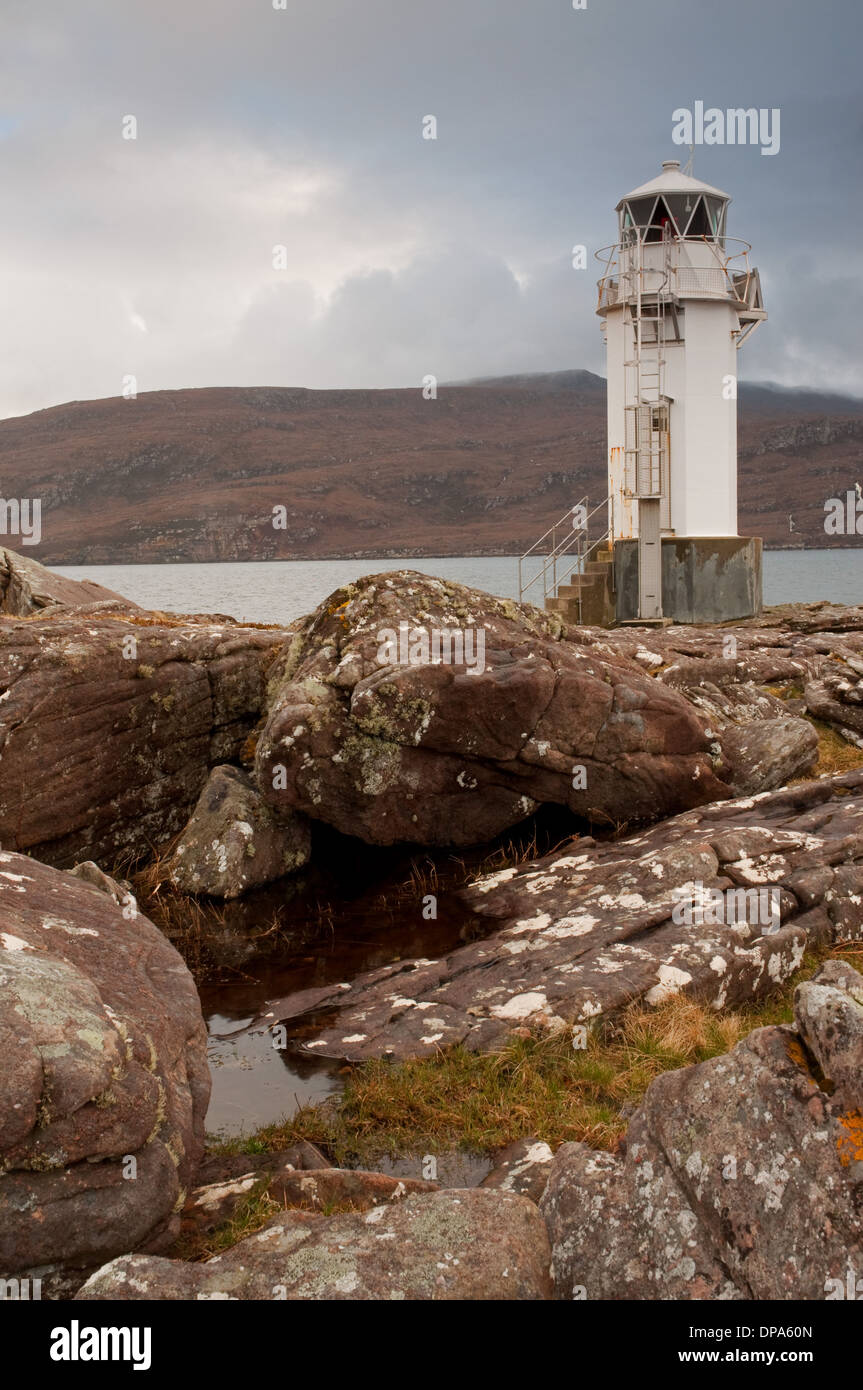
{"type": "Point", "coordinates": [457, 1244]}
{"type": "Point", "coordinates": [720, 903]}
{"type": "Point", "coordinates": [439, 753]}
{"type": "Point", "coordinates": [28, 589]}
{"type": "Point", "coordinates": [109, 725]}
{"type": "Point", "coordinates": [104, 1084]}
{"type": "Point", "coordinates": [234, 842]}
{"type": "Point", "coordinates": [740, 1178]}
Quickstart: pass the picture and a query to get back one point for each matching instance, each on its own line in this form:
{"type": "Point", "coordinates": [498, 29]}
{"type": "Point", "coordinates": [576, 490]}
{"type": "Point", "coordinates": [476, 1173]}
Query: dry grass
{"type": "Point", "coordinates": [835, 754]}
{"type": "Point", "coordinates": [186, 922]}
{"type": "Point", "coordinates": [789, 690]}
{"type": "Point", "coordinates": [249, 749]}
{"type": "Point", "coordinates": [422, 879]}
{"type": "Point", "coordinates": [514, 853]}
{"type": "Point", "coordinates": [533, 1086]}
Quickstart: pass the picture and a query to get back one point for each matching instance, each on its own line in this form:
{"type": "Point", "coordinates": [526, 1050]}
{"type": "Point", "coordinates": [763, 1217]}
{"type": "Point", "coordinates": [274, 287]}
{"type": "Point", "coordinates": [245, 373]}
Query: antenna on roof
{"type": "Point", "coordinates": [688, 166]}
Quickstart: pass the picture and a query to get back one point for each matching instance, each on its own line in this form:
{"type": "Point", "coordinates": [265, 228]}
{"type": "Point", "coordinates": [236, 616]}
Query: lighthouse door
{"type": "Point", "coordinates": [649, 558]}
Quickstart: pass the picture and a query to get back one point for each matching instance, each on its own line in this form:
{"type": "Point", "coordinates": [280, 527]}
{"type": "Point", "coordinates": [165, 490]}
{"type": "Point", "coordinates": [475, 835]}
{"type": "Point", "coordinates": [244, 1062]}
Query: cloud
{"type": "Point", "coordinates": [302, 128]}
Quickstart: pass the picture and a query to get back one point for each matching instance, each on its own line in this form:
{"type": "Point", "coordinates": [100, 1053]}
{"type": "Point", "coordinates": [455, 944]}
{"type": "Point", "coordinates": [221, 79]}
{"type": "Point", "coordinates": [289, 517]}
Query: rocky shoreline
{"type": "Point", "coordinates": [706, 774]}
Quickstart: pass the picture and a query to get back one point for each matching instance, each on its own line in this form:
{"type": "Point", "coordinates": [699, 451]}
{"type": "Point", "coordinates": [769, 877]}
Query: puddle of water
{"type": "Point", "coordinates": [362, 911]}
{"type": "Point", "coordinates": [254, 1083]}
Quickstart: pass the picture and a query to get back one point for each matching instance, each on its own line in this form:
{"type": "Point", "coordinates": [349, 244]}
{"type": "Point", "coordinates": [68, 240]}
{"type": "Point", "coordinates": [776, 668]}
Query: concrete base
{"type": "Point", "coordinates": [705, 579]}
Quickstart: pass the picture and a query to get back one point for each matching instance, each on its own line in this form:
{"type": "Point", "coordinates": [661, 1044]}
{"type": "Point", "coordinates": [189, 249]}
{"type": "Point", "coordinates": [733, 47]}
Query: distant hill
{"type": "Point", "coordinates": [484, 469]}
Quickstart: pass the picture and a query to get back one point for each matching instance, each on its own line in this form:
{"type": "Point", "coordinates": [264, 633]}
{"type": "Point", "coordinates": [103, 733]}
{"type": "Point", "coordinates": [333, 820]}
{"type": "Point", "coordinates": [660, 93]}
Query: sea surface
{"type": "Point", "coordinates": [277, 591]}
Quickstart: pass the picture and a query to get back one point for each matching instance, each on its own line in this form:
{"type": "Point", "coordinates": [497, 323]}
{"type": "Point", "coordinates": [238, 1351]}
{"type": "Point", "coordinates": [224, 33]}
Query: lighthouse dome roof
{"type": "Point", "coordinates": [673, 180]}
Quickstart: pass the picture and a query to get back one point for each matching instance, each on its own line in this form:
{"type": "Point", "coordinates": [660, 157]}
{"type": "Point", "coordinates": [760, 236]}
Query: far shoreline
{"type": "Point", "coordinates": [366, 558]}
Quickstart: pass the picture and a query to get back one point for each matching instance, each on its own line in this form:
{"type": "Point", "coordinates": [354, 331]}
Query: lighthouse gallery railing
{"type": "Point", "coordinates": [732, 277]}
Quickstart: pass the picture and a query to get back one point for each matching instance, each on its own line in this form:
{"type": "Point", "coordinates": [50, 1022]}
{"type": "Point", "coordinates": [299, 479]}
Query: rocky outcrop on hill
{"type": "Point", "coordinates": [110, 724]}
{"type": "Point", "coordinates": [233, 842]}
{"type": "Point", "coordinates": [740, 1178]}
{"type": "Point", "coordinates": [457, 1244]}
{"type": "Point", "coordinates": [104, 1084]}
{"type": "Point", "coordinates": [453, 752]}
{"type": "Point", "coordinates": [719, 902]}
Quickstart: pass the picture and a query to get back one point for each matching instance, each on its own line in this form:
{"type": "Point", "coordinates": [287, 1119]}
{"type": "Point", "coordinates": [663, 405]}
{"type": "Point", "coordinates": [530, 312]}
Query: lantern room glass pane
{"type": "Point", "coordinates": [699, 222]}
{"type": "Point", "coordinates": [676, 204]}
{"type": "Point", "coordinates": [660, 221]}
{"type": "Point", "coordinates": [642, 210]}
{"type": "Point", "coordinates": [715, 213]}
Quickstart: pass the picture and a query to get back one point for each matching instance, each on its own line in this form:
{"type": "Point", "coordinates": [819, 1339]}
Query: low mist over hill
{"type": "Point", "coordinates": [483, 469]}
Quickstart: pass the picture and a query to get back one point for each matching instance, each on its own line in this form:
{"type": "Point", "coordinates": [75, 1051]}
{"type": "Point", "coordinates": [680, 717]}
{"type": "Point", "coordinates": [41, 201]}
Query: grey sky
{"type": "Point", "coordinates": [303, 127]}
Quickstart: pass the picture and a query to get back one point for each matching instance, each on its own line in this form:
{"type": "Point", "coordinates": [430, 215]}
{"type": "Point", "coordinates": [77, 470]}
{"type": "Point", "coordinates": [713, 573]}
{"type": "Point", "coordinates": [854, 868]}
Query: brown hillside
{"type": "Point", "coordinates": [484, 469]}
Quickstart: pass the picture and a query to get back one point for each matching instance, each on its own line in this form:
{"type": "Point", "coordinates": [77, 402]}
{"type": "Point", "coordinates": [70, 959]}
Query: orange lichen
{"type": "Point", "coordinates": [248, 750]}
{"type": "Point", "coordinates": [850, 1144]}
{"type": "Point", "coordinates": [798, 1056]}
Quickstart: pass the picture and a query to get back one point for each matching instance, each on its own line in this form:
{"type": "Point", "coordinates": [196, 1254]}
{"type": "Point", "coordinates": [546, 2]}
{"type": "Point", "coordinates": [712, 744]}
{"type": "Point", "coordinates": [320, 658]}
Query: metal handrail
{"type": "Point", "coordinates": [569, 511]}
{"type": "Point", "coordinates": [578, 564]}
{"type": "Point", "coordinates": [560, 549]}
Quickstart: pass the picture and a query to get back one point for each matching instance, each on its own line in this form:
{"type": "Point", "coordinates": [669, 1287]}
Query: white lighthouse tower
{"type": "Point", "coordinates": [677, 300]}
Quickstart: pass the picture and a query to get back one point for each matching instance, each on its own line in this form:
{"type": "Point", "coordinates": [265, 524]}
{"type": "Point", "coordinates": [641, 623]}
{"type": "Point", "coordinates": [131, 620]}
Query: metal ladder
{"type": "Point", "coordinates": [643, 451]}
{"type": "Point", "coordinates": [646, 457]}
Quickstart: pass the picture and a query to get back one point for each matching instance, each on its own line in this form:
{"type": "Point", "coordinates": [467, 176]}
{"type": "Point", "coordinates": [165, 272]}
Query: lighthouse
{"type": "Point", "coordinates": [677, 300]}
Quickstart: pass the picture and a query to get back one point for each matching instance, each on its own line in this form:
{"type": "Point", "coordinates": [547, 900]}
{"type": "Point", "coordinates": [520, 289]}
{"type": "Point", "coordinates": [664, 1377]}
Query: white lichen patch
{"type": "Point", "coordinates": [671, 982]}
{"type": "Point", "coordinates": [622, 902]}
{"type": "Point", "coordinates": [485, 885]}
{"type": "Point", "coordinates": [537, 923]}
{"type": "Point", "coordinates": [572, 926]}
{"type": "Point", "coordinates": [521, 1005]}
